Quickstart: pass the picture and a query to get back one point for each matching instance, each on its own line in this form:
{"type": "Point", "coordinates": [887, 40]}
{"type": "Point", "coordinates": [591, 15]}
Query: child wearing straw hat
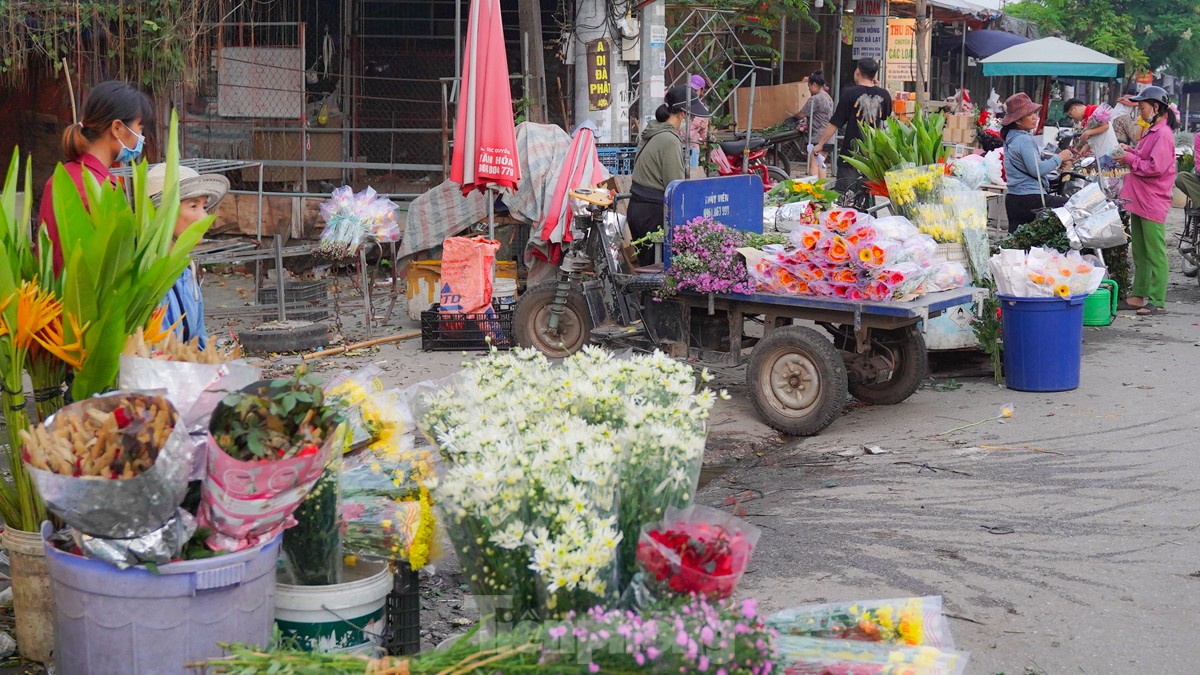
{"type": "Point", "coordinates": [198, 197]}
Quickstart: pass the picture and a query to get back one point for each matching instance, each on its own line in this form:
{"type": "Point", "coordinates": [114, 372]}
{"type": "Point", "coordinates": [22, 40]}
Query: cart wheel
{"type": "Point", "coordinates": [905, 349]}
{"type": "Point", "coordinates": [797, 380]}
{"type": "Point", "coordinates": [531, 321]}
{"type": "Point", "coordinates": [777, 175]}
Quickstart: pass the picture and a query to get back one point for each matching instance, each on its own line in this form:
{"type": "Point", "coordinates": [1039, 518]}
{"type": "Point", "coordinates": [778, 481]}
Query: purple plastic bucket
{"type": "Point", "coordinates": [133, 622]}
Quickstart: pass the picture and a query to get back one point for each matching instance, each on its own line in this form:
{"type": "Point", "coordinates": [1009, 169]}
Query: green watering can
{"type": "Point", "coordinates": [1100, 308]}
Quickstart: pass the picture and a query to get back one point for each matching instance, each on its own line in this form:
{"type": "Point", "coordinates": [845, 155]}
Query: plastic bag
{"type": "Point", "coordinates": [822, 656]}
{"type": "Point", "coordinates": [1102, 229]}
{"type": "Point", "coordinates": [897, 228]}
{"type": "Point", "coordinates": [808, 238]}
{"type": "Point", "coordinates": [842, 221]}
{"type": "Point", "coordinates": [946, 276]}
{"type": "Point", "coordinates": [467, 269]}
{"type": "Point", "coordinates": [910, 621]}
{"type": "Point", "coordinates": [696, 550]}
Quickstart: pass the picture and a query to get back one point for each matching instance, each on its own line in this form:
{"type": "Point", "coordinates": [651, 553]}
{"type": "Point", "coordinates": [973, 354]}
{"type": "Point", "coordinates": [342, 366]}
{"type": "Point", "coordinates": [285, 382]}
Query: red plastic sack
{"type": "Point", "coordinates": [467, 267]}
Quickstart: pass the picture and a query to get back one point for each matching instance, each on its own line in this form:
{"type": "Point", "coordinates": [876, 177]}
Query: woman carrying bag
{"type": "Point", "coordinates": [1023, 164]}
{"type": "Point", "coordinates": [1148, 189]}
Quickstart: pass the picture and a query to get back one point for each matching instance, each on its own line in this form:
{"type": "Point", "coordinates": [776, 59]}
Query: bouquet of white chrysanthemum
{"type": "Point", "coordinates": [535, 454]}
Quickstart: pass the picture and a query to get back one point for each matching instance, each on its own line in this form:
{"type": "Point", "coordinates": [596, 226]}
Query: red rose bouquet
{"type": "Point", "coordinates": [697, 550]}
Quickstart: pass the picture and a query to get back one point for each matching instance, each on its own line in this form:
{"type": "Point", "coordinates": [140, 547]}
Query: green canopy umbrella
{"type": "Point", "coordinates": [1052, 57]}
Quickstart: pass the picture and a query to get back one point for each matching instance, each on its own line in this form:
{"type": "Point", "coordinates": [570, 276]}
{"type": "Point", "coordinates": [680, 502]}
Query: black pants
{"type": "Point", "coordinates": [644, 217]}
{"type": "Point", "coordinates": [1023, 209]}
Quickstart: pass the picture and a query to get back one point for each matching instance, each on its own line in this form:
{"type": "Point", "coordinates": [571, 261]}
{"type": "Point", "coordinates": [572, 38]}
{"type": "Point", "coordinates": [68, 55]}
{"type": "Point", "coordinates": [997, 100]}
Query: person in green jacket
{"type": "Point", "coordinates": [659, 161]}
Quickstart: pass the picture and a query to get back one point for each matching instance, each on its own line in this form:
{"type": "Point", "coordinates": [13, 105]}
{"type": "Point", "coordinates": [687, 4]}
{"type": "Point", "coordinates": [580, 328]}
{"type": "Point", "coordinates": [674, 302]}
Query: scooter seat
{"type": "Point", "coordinates": [739, 147]}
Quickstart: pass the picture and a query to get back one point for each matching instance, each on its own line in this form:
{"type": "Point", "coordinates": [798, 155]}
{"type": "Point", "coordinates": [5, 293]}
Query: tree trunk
{"type": "Point", "coordinates": [920, 38]}
{"type": "Point", "coordinates": [530, 14]}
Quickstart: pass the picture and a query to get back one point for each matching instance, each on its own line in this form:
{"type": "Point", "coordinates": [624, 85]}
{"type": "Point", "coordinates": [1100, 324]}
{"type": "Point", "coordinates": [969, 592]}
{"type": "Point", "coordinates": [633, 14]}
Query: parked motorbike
{"type": "Point", "coordinates": [729, 156]}
{"type": "Point", "coordinates": [1189, 241]}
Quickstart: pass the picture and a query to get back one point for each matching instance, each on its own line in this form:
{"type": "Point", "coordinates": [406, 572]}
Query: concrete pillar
{"type": "Point", "coordinates": [654, 58]}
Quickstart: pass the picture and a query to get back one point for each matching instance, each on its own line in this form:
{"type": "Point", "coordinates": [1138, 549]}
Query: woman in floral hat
{"type": "Point", "coordinates": [1024, 167]}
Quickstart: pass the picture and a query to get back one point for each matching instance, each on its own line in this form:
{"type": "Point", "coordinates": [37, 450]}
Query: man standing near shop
{"type": "Point", "coordinates": [864, 104]}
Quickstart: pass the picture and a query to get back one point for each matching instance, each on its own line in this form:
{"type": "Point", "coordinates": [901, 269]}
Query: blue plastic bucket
{"type": "Point", "coordinates": [133, 622]}
{"type": "Point", "coordinates": [1043, 342]}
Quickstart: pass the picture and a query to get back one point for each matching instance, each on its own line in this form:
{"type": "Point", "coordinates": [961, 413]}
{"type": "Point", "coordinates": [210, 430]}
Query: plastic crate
{"type": "Point", "coordinates": [617, 158]}
{"type": "Point", "coordinates": [467, 332]}
{"type": "Point", "coordinates": [402, 635]}
{"type": "Point", "coordinates": [314, 293]}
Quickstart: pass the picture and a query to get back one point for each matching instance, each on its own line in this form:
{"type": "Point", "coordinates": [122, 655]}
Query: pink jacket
{"type": "Point", "coordinates": [1151, 176]}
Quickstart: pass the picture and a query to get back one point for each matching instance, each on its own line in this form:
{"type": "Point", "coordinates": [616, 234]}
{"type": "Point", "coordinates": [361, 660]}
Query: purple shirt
{"type": "Point", "coordinates": [1151, 176]}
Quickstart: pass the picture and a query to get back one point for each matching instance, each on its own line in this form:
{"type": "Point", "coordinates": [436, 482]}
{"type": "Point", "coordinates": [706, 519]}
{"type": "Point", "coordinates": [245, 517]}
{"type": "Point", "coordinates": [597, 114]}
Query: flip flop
{"type": "Point", "coordinates": [1124, 306]}
{"type": "Point", "coordinates": [1151, 310]}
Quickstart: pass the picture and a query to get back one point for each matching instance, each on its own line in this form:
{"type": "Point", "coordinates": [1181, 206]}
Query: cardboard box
{"type": "Point", "coordinates": [772, 104]}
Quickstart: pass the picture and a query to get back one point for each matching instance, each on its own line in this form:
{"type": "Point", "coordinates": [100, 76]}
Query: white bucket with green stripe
{"type": "Point", "coordinates": [346, 618]}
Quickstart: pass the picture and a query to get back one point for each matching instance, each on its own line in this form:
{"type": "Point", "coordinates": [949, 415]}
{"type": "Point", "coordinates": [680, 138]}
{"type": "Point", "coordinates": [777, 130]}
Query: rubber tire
{"type": "Point", "coordinates": [779, 159]}
{"type": "Point", "coordinates": [534, 305]}
{"type": "Point", "coordinates": [818, 357]}
{"type": "Point", "coordinates": [906, 379]}
{"type": "Point", "coordinates": [299, 339]}
{"type": "Point", "coordinates": [777, 174]}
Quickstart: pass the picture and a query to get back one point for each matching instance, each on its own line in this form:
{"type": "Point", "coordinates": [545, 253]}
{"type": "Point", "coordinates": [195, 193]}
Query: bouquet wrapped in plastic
{"type": "Point", "coordinates": [115, 468]}
{"type": "Point", "coordinates": [351, 219]}
{"type": "Point", "coordinates": [911, 185]}
{"type": "Point", "coordinates": [1044, 273]}
{"type": "Point", "coordinates": [696, 550]}
{"type": "Point", "coordinates": [821, 656]}
{"type": "Point", "coordinates": [909, 621]}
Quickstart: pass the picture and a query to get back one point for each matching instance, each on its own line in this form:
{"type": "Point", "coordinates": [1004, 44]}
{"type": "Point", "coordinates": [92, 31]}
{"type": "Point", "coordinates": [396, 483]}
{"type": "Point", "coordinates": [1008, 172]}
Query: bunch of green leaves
{"type": "Point", "coordinates": [1046, 230]}
{"type": "Point", "coordinates": [987, 329]}
{"type": "Point", "coordinates": [756, 240]}
{"type": "Point", "coordinates": [795, 190]}
{"type": "Point", "coordinates": [120, 258]}
{"type": "Point", "coordinates": [1186, 161]}
{"type": "Point", "coordinates": [1116, 260]}
{"type": "Point", "coordinates": [882, 149]}
{"type": "Point", "coordinates": [21, 505]}
{"type": "Point", "coordinates": [314, 545]}
{"type": "Point", "coordinates": [275, 419]}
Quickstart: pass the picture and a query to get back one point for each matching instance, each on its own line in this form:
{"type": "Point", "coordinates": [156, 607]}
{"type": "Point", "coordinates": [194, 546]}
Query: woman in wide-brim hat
{"type": "Point", "coordinates": [199, 195]}
{"type": "Point", "coordinates": [1025, 170]}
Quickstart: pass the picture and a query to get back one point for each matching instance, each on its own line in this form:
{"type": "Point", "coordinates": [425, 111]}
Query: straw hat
{"type": "Point", "coordinates": [1018, 106]}
{"type": "Point", "coordinates": [191, 184]}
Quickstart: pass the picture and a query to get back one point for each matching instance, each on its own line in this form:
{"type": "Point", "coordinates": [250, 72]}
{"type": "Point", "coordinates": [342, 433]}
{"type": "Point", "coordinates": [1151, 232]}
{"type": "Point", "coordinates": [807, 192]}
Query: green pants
{"type": "Point", "coordinates": [1189, 183]}
{"type": "Point", "coordinates": [1149, 260]}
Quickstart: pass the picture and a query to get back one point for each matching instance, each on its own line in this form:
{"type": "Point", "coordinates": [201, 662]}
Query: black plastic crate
{"type": "Point", "coordinates": [311, 293]}
{"type": "Point", "coordinates": [402, 636]}
{"type": "Point", "coordinates": [467, 332]}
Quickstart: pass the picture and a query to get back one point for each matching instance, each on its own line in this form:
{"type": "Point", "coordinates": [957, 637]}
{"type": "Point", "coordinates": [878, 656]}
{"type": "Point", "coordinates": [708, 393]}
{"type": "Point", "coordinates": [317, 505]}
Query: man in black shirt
{"type": "Point", "coordinates": [866, 103]}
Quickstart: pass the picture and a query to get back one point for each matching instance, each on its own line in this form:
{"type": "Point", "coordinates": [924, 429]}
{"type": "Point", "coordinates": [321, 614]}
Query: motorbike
{"type": "Point", "coordinates": [1189, 241]}
{"type": "Point", "coordinates": [729, 157]}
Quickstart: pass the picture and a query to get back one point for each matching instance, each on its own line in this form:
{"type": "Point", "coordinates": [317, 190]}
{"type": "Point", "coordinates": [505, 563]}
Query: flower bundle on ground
{"type": "Point", "coordinates": [699, 551]}
{"type": "Point", "coordinates": [800, 190]}
{"type": "Point", "coordinates": [704, 259]}
{"type": "Point", "coordinates": [530, 490]}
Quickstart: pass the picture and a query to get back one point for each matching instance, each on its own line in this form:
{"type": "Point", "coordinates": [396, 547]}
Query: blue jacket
{"type": "Point", "coordinates": [1023, 163]}
{"type": "Point", "coordinates": [185, 301]}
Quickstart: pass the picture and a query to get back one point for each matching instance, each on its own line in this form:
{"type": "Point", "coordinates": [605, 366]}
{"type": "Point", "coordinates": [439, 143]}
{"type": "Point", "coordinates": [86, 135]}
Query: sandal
{"type": "Point", "coordinates": [1151, 310]}
{"type": "Point", "coordinates": [1124, 306]}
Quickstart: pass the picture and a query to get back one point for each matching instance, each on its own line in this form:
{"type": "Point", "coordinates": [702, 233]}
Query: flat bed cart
{"type": "Point", "coordinates": [799, 379]}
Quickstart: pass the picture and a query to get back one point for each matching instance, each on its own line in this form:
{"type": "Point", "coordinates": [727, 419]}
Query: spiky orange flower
{"type": "Point", "coordinates": [36, 310]}
{"type": "Point", "coordinates": [155, 332]}
{"type": "Point", "coordinates": [53, 341]}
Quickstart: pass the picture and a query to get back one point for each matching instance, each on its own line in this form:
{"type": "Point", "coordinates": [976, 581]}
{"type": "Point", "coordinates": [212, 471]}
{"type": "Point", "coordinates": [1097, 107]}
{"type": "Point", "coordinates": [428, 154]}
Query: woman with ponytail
{"type": "Point", "coordinates": [110, 131]}
{"type": "Point", "coordinates": [659, 161]}
{"type": "Point", "coordinates": [1148, 188]}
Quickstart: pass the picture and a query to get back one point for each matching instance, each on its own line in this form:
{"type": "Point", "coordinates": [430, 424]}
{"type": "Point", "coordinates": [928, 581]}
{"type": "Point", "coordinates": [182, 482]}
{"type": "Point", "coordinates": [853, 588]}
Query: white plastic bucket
{"type": "Point", "coordinates": [504, 292]}
{"type": "Point", "coordinates": [346, 618]}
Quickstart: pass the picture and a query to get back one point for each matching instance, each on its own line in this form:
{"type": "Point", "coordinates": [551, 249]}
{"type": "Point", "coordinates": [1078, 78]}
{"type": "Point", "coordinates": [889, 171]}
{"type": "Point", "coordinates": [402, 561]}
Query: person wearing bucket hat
{"type": "Point", "coordinates": [1027, 173]}
{"type": "Point", "coordinates": [1148, 186]}
{"type": "Point", "coordinates": [198, 197]}
{"type": "Point", "coordinates": [659, 162]}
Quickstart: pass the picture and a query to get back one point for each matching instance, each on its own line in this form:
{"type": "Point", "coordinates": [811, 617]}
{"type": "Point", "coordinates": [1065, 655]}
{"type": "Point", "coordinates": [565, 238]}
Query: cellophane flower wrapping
{"type": "Point", "coordinates": [124, 521]}
{"type": "Point", "coordinates": [534, 456]}
{"type": "Point", "coordinates": [671, 637]}
{"type": "Point", "coordinates": [849, 255]}
{"type": "Point", "coordinates": [194, 389]}
{"type": "Point", "coordinates": [1044, 273]}
{"type": "Point", "coordinates": [246, 503]}
{"type": "Point", "coordinates": [823, 656]}
{"type": "Point", "coordinates": [352, 219]}
{"type": "Point", "coordinates": [704, 259]}
{"type": "Point", "coordinates": [697, 551]}
{"type": "Point", "coordinates": [312, 548]}
{"type": "Point", "coordinates": [911, 185]}
{"type": "Point", "coordinates": [909, 621]}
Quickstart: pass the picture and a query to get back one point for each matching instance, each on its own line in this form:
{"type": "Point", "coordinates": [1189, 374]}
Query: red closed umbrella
{"type": "Point", "coordinates": [485, 141]}
{"type": "Point", "coordinates": [582, 168]}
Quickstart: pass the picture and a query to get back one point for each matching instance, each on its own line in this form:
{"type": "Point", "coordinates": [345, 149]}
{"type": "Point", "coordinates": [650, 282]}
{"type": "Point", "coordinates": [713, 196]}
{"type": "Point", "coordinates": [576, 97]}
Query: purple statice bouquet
{"type": "Point", "coordinates": [704, 259]}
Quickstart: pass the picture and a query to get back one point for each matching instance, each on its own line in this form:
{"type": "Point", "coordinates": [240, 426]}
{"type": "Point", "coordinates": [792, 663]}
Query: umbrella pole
{"type": "Point", "coordinates": [491, 199]}
{"type": "Point", "coordinates": [1045, 105]}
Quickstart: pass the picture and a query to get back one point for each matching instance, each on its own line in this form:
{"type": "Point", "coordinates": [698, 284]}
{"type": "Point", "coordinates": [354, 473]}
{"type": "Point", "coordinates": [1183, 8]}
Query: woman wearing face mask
{"type": "Point", "coordinates": [111, 131]}
{"type": "Point", "coordinates": [659, 161]}
{"type": "Point", "coordinates": [1148, 189]}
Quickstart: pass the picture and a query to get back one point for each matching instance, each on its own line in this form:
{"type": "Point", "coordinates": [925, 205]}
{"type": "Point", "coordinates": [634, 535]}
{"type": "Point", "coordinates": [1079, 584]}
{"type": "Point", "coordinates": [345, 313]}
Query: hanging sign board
{"type": "Point", "coordinates": [599, 84]}
{"type": "Point", "coordinates": [901, 52]}
{"type": "Point", "coordinates": [868, 37]}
